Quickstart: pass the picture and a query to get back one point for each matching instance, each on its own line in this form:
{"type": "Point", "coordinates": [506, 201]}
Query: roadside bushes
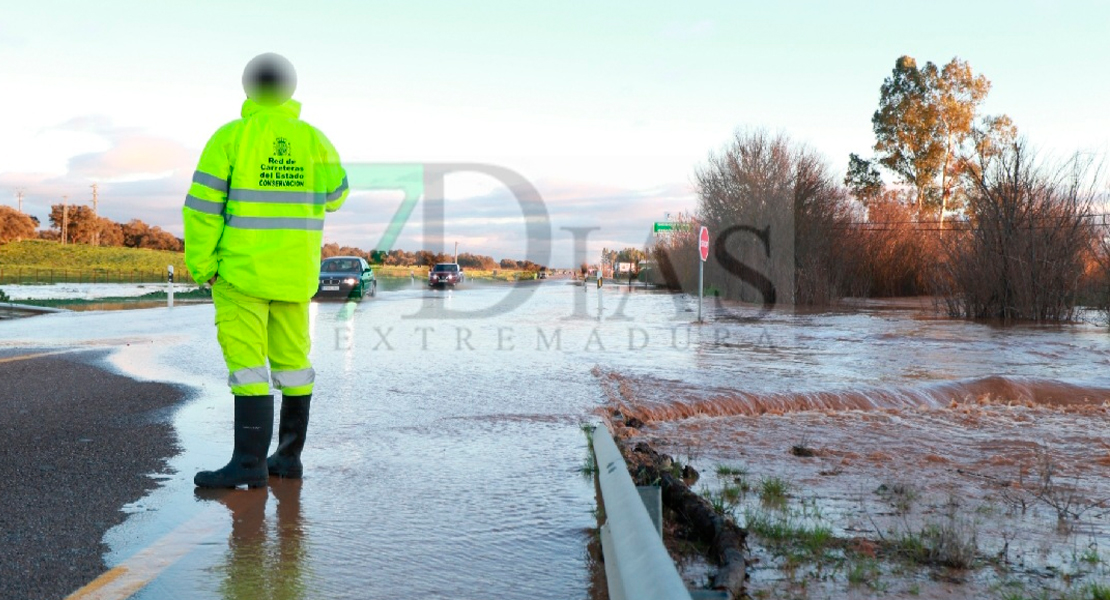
{"type": "Point", "coordinates": [1023, 249]}
{"type": "Point", "coordinates": [899, 253]}
{"type": "Point", "coordinates": [779, 224]}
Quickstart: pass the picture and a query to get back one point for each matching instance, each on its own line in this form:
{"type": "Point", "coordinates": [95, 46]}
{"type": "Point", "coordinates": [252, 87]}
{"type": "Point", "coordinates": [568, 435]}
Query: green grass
{"type": "Point", "coordinates": [773, 490]}
{"type": "Point", "coordinates": [726, 471]}
{"type": "Point", "coordinates": [589, 465]}
{"type": "Point", "coordinates": [864, 572]}
{"type": "Point", "coordinates": [725, 500]}
{"type": "Point", "coordinates": [788, 530]}
{"type": "Point", "coordinates": [733, 492]}
{"type": "Point", "coordinates": [1094, 591]}
{"type": "Point", "coordinates": [40, 261]}
{"type": "Point", "coordinates": [400, 271]}
{"type": "Point", "coordinates": [950, 542]}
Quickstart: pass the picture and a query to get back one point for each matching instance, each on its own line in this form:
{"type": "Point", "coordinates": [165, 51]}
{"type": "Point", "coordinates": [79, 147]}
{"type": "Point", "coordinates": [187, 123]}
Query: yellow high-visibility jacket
{"type": "Point", "coordinates": [255, 210]}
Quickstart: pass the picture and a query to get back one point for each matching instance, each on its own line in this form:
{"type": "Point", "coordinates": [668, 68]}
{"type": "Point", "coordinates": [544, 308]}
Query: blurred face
{"type": "Point", "coordinates": [269, 79]}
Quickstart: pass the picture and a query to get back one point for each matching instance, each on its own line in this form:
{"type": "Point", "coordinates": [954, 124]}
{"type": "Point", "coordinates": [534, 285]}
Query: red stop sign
{"type": "Point", "coordinates": [703, 243]}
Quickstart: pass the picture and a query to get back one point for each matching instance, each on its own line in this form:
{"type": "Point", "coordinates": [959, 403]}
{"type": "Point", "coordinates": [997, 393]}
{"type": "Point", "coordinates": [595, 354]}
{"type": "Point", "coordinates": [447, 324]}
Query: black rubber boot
{"type": "Point", "coordinates": [254, 426]}
{"type": "Point", "coordinates": [286, 460]}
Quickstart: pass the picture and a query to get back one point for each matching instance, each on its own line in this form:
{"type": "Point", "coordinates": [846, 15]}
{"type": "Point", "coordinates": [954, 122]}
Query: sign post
{"type": "Point", "coordinates": [703, 251]}
{"type": "Point", "coordinates": [169, 288]}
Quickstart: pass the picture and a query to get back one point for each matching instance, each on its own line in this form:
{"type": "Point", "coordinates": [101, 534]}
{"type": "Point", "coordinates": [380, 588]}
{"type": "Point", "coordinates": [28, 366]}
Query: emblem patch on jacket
{"type": "Point", "coordinates": [281, 146]}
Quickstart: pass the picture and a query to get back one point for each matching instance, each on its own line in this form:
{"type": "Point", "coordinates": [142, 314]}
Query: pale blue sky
{"type": "Point", "coordinates": [606, 107]}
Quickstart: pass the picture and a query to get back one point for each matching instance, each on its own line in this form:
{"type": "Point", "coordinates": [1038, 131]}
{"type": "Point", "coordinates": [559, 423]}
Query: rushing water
{"type": "Point", "coordinates": [885, 422]}
{"type": "Point", "coordinates": [444, 449]}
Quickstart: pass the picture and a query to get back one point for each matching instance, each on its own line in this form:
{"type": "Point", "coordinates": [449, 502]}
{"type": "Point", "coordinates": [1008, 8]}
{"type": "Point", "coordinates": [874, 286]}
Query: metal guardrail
{"type": "Point", "coordinates": [637, 565]}
{"type": "Point", "coordinates": [14, 275]}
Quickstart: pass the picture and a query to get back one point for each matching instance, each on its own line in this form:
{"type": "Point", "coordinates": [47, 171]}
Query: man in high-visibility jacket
{"type": "Point", "coordinates": [254, 218]}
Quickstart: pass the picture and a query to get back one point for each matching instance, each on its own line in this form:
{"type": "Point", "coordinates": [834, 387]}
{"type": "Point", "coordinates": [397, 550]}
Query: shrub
{"type": "Point", "coordinates": [1022, 251]}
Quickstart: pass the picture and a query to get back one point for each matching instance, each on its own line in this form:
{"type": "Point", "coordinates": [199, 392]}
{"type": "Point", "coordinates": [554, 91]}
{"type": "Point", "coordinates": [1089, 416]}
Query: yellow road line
{"type": "Point", "coordinates": [38, 355]}
{"type": "Point", "coordinates": [98, 583]}
{"type": "Point", "coordinates": [133, 574]}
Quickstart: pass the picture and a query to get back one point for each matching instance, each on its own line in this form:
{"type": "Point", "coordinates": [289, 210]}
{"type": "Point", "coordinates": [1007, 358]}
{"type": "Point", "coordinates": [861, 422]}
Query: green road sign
{"type": "Point", "coordinates": [670, 226]}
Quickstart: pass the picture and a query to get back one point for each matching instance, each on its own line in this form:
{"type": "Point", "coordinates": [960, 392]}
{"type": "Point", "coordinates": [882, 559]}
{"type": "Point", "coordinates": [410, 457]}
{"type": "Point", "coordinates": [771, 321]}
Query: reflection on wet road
{"type": "Point", "coordinates": [265, 558]}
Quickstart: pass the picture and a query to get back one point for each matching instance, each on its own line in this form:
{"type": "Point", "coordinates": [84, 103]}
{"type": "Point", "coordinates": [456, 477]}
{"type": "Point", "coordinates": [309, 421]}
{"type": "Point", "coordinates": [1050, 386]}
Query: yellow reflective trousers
{"type": "Point", "coordinates": [253, 331]}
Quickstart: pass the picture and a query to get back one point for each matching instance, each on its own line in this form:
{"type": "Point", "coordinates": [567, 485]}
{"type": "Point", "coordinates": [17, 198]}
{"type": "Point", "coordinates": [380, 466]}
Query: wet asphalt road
{"type": "Point", "coordinates": [444, 449]}
{"type": "Point", "coordinates": [77, 443]}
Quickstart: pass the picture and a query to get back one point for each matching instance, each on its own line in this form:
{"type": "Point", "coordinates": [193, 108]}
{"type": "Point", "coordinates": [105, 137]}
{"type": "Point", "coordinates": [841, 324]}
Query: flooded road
{"type": "Point", "coordinates": [438, 465]}
{"type": "Point", "coordinates": [889, 453]}
{"type": "Point", "coordinates": [444, 451]}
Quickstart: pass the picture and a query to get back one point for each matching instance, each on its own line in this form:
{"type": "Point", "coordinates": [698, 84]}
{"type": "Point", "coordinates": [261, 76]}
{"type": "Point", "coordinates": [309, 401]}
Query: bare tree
{"type": "Point", "coordinates": [1022, 251]}
{"type": "Point", "coordinates": [778, 219]}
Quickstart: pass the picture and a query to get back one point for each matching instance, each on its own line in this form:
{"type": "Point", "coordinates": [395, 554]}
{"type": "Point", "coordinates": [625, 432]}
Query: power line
{"type": "Point", "coordinates": [96, 232]}
{"type": "Point", "coordinates": [1102, 219]}
{"type": "Point", "coordinates": [65, 218]}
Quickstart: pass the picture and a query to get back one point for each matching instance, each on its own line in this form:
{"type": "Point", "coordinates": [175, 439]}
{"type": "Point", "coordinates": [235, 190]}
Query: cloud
{"type": "Point", "coordinates": [131, 157]}
{"type": "Point", "coordinates": [139, 175]}
{"type": "Point", "coordinates": [132, 154]}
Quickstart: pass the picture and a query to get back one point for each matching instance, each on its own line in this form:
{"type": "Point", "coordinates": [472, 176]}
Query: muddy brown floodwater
{"type": "Point", "coordinates": [892, 454]}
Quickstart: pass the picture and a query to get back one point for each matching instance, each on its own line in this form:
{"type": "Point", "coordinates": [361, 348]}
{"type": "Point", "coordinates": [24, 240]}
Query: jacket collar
{"type": "Point", "coordinates": [290, 108]}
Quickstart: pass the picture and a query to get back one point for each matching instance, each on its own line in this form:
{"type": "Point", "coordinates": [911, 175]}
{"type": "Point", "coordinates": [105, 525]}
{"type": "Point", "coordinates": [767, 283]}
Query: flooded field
{"type": "Point", "coordinates": [445, 448]}
{"type": "Point", "coordinates": [889, 453]}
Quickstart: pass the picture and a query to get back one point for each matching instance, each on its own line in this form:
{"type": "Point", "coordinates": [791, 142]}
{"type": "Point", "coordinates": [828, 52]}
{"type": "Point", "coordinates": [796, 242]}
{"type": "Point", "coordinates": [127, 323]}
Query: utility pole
{"type": "Point", "coordinates": [96, 234]}
{"type": "Point", "coordinates": [19, 197]}
{"type": "Point", "coordinates": [65, 218]}
{"type": "Point", "coordinates": [456, 252]}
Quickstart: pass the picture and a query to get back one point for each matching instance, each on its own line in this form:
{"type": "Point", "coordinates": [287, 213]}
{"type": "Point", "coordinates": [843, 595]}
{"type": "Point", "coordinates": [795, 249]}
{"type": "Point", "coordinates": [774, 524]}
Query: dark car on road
{"type": "Point", "coordinates": [346, 277]}
{"type": "Point", "coordinates": [445, 274]}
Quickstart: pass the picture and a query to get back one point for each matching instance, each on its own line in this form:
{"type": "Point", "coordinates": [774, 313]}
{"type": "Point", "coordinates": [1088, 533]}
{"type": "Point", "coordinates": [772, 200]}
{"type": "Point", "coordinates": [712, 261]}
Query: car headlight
{"type": "Point", "coordinates": [350, 280]}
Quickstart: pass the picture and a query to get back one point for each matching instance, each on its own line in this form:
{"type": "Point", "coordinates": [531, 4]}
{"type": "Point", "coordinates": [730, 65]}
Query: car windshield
{"type": "Point", "coordinates": [446, 268]}
{"type": "Point", "coordinates": [339, 266]}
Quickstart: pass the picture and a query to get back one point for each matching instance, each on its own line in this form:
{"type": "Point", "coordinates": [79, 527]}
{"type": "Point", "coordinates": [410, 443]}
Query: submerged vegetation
{"type": "Point", "coordinates": [922, 541]}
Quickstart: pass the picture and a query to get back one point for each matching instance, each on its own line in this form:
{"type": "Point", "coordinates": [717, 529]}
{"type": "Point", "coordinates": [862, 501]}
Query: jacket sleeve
{"type": "Point", "coordinates": [203, 212]}
{"type": "Point", "coordinates": [335, 177]}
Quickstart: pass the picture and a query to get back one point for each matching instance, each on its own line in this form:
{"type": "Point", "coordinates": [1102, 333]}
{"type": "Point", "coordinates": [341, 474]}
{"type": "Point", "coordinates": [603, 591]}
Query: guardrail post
{"type": "Point", "coordinates": [652, 496]}
{"type": "Point", "coordinates": [169, 290]}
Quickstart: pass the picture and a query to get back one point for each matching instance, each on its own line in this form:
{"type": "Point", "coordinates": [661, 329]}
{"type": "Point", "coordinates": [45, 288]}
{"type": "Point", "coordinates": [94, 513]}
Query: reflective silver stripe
{"type": "Point", "coordinates": [288, 379]}
{"type": "Point", "coordinates": [204, 206]}
{"type": "Point", "coordinates": [249, 376]}
{"type": "Point", "coordinates": [241, 222]}
{"type": "Point", "coordinates": [241, 195]}
{"type": "Point", "coordinates": [220, 185]}
{"type": "Point", "coordinates": [339, 190]}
